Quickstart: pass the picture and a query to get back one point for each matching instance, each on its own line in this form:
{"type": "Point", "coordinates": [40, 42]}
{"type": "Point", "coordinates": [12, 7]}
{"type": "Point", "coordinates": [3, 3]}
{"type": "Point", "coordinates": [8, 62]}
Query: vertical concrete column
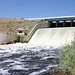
{"type": "Point", "coordinates": [64, 22]}
{"type": "Point", "coordinates": [57, 22]}
{"type": "Point", "coordinates": [71, 23]}
{"type": "Point", "coordinates": [50, 23]}
{"type": "Point", "coordinates": [21, 39]}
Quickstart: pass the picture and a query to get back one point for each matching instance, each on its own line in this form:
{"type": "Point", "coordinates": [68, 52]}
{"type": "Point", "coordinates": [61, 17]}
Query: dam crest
{"type": "Point", "coordinates": [54, 31]}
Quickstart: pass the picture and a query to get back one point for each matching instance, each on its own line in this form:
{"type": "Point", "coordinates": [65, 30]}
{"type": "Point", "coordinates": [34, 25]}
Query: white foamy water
{"type": "Point", "coordinates": [27, 59]}
{"type": "Point", "coordinates": [38, 56]}
{"type": "Point", "coordinates": [53, 36]}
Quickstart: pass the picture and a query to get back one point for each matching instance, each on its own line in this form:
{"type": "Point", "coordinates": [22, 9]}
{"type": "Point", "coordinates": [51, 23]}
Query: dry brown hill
{"type": "Point", "coordinates": [10, 25]}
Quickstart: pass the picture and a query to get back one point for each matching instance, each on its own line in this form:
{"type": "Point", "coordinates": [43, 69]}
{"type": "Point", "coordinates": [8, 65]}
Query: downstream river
{"type": "Point", "coordinates": [26, 59]}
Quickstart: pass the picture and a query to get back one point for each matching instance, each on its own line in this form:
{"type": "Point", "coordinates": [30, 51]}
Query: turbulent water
{"type": "Point", "coordinates": [38, 56]}
{"type": "Point", "coordinates": [26, 59]}
{"type": "Point", "coordinates": [53, 36]}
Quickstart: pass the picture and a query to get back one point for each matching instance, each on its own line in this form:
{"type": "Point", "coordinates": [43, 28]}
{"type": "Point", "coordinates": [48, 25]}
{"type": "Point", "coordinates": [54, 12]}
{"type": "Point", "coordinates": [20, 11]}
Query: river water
{"type": "Point", "coordinates": [26, 59]}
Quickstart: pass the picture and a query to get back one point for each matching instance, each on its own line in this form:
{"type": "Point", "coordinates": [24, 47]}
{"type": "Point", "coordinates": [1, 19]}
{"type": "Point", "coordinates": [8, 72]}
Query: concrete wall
{"type": "Point", "coordinates": [53, 36]}
{"type": "Point", "coordinates": [37, 26]}
{"type": "Point", "coordinates": [6, 37]}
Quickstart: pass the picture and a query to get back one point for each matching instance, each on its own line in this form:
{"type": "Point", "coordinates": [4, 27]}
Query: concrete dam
{"type": "Point", "coordinates": [53, 36]}
{"type": "Point", "coordinates": [37, 57]}
{"type": "Point", "coordinates": [59, 31]}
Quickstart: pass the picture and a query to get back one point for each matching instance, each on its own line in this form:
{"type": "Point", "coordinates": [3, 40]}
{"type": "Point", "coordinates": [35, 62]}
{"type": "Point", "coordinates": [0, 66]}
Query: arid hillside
{"type": "Point", "coordinates": [10, 25]}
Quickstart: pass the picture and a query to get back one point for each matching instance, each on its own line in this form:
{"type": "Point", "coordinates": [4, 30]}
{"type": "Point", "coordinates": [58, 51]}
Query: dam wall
{"type": "Point", "coordinates": [7, 37]}
{"type": "Point", "coordinates": [53, 36]}
{"type": "Point", "coordinates": [50, 28]}
{"type": "Point", "coordinates": [37, 26]}
{"type": "Point", "coordinates": [53, 22]}
{"type": "Point", "coordinates": [11, 37]}
{"type": "Point", "coordinates": [60, 31]}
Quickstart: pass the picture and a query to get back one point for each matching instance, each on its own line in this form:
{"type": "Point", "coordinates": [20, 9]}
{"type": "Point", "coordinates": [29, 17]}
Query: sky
{"type": "Point", "coordinates": [36, 8]}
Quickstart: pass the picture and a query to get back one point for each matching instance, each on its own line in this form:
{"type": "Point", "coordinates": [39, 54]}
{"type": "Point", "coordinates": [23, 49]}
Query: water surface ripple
{"type": "Point", "coordinates": [25, 60]}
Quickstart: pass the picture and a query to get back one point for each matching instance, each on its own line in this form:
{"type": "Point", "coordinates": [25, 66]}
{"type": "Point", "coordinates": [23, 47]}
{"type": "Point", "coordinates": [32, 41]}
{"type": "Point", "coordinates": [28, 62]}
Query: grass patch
{"type": "Point", "coordinates": [21, 22]}
{"type": "Point", "coordinates": [67, 60]}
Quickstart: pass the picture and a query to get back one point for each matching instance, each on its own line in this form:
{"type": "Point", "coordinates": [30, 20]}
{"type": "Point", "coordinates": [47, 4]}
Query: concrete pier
{"type": "Point", "coordinates": [57, 22]}
{"type": "Point", "coordinates": [71, 23]}
{"type": "Point", "coordinates": [63, 23]}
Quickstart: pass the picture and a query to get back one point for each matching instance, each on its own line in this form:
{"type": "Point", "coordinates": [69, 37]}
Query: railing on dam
{"type": "Point", "coordinates": [62, 23]}
{"type": "Point", "coordinates": [68, 21]}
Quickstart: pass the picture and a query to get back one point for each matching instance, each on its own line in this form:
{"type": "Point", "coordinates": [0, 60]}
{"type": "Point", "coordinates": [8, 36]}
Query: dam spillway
{"type": "Point", "coordinates": [53, 36]}
{"type": "Point", "coordinates": [33, 58]}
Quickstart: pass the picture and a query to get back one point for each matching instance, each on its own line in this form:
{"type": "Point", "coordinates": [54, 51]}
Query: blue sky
{"type": "Point", "coordinates": [36, 8]}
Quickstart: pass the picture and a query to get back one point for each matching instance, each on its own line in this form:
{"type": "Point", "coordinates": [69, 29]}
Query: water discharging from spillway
{"type": "Point", "coordinates": [53, 36]}
{"type": "Point", "coordinates": [38, 56]}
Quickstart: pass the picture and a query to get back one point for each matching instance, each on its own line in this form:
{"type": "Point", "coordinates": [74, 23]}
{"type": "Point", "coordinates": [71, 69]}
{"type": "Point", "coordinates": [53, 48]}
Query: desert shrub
{"type": "Point", "coordinates": [42, 20]}
{"type": "Point", "coordinates": [7, 26]}
{"type": "Point", "coordinates": [10, 29]}
{"type": "Point", "coordinates": [9, 42]}
{"type": "Point", "coordinates": [9, 22]}
{"type": "Point", "coordinates": [15, 41]}
{"type": "Point", "coordinates": [22, 18]}
{"type": "Point", "coordinates": [67, 59]}
{"type": "Point", "coordinates": [21, 22]}
{"type": "Point", "coordinates": [25, 33]}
